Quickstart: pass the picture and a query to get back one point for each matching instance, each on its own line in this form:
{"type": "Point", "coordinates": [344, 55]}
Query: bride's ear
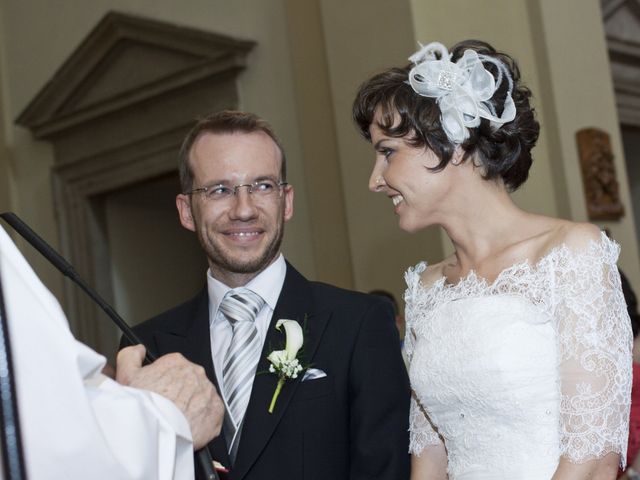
{"type": "Point", "coordinates": [458, 154]}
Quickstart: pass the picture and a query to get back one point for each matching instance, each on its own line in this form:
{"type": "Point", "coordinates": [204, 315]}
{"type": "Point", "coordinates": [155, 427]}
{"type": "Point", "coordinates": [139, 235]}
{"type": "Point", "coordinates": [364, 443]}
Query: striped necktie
{"type": "Point", "coordinates": [240, 307]}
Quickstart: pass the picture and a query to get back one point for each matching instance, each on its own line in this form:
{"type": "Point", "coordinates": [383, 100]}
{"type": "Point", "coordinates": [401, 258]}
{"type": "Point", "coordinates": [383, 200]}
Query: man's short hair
{"type": "Point", "coordinates": [226, 121]}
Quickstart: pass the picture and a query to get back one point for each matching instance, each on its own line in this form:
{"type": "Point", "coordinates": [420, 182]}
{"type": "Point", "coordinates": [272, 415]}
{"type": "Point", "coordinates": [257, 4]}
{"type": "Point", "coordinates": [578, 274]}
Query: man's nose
{"type": "Point", "coordinates": [243, 207]}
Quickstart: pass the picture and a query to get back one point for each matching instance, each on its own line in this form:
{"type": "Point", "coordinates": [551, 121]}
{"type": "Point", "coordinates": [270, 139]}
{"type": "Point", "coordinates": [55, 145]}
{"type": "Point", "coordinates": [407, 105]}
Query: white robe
{"type": "Point", "coordinates": [76, 423]}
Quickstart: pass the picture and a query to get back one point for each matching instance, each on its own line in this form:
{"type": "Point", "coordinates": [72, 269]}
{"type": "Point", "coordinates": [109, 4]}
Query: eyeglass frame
{"type": "Point", "coordinates": [234, 189]}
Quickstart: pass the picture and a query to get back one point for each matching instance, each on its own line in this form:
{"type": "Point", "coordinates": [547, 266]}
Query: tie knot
{"type": "Point", "coordinates": [241, 305]}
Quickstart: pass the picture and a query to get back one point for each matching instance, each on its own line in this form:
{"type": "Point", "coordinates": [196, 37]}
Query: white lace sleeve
{"type": "Point", "coordinates": [421, 432]}
{"type": "Point", "coordinates": [594, 340]}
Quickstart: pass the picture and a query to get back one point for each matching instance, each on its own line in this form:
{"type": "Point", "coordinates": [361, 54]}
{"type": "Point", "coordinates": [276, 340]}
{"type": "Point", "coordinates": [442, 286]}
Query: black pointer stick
{"type": "Point", "coordinates": [65, 267]}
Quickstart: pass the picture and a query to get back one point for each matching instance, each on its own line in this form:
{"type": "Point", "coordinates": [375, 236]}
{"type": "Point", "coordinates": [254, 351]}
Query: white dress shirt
{"type": "Point", "coordinates": [76, 423]}
{"type": "Point", "coordinates": [268, 284]}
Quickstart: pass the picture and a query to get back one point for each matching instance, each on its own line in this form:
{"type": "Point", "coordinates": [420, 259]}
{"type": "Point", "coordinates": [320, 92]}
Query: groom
{"type": "Point", "coordinates": [346, 415]}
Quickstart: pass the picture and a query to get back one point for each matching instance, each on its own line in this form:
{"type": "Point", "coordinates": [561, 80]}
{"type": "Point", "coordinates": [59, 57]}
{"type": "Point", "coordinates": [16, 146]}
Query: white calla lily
{"type": "Point", "coordinates": [293, 335]}
{"type": "Point", "coordinates": [284, 362]}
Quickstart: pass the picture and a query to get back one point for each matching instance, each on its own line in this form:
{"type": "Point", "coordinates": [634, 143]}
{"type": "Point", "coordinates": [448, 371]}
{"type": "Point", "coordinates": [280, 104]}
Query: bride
{"type": "Point", "coordinates": [519, 343]}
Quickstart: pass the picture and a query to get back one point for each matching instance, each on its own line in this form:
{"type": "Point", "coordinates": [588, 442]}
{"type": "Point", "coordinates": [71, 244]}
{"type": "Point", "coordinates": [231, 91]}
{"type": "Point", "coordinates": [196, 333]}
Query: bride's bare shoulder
{"type": "Point", "coordinates": [435, 272]}
{"type": "Point", "coordinates": [575, 236]}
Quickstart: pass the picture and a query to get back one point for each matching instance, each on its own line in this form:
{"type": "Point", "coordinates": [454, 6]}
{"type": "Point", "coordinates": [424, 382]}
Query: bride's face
{"type": "Point", "coordinates": [401, 172]}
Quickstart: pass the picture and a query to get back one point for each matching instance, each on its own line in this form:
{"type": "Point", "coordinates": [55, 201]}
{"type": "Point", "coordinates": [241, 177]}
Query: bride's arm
{"type": "Point", "coordinates": [430, 465]}
{"type": "Point", "coordinates": [605, 468]}
{"type": "Point", "coordinates": [428, 454]}
{"type": "Point", "coordinates": [594, 353]}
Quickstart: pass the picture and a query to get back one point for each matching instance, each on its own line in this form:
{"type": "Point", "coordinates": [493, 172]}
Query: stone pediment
{"type": "Point", "coordinates": [622, 24]}
{"type": "Point", "coordinates": [127, 61]}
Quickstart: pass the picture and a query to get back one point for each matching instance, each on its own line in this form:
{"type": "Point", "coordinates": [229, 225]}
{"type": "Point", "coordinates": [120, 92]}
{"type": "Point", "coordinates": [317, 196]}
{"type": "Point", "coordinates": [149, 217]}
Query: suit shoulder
{"type": "Point", "coordinates": [337, 297]}
{"type": "Point", "coordinates": [322, 289]}
{"type": "Point", "coordinates": [168, 318]}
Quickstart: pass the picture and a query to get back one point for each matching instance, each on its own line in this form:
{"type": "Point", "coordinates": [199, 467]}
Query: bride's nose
{"type": "Point", "coordinates": [376, 181]}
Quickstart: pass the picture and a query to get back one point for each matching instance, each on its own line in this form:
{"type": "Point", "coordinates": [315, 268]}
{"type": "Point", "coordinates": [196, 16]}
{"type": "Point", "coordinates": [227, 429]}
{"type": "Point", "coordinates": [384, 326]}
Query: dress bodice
{"type": "Point", "coordinates": [513, 374]}
{"type": "Point", "coordinates": [496, 390]}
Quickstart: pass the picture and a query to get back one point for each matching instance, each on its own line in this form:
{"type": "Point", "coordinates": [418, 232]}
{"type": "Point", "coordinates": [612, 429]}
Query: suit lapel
{"type": "Point", "coordinates": [190, 336]}
{"type": "Point", "coordinates": [295, 303]}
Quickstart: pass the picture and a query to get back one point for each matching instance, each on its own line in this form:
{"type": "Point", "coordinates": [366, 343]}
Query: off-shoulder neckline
{"type": "Point", "coordinates": [475, 280]}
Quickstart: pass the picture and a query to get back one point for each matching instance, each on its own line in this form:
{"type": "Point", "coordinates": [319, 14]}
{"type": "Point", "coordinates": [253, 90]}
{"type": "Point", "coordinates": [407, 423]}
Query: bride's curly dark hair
{"type": "Point", "coordinates": [504, 153]}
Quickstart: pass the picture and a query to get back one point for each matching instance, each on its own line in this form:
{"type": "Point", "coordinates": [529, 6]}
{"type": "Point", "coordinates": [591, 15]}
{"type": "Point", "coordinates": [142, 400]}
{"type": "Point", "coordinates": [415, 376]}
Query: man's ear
{"type": "Point", "coordinates": [288, 202]}
{"type": "Point", "coordinates": [183, 203]}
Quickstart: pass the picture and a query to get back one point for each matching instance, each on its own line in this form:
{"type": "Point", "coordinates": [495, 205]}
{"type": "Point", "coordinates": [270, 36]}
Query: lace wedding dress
{"type": "Point", "coordinates": [512, 375]}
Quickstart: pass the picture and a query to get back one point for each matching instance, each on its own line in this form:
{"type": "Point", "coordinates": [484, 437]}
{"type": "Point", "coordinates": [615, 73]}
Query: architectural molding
{"type": "Point", "coordinates": [124, 61]}
{"type": "Point", "coordinates": [622, 26]}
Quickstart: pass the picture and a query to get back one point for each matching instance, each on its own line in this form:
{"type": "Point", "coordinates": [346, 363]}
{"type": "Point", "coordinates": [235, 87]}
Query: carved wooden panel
{"type": "Point", "coordinates": [599, 175]}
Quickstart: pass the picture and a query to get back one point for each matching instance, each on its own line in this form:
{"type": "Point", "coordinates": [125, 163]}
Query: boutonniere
{"type": "Point", "coordinates": [285, 363]}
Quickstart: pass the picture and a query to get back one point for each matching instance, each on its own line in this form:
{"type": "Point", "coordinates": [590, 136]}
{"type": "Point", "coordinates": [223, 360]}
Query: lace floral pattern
{"type": "Point", "coordinates": [576, 296]}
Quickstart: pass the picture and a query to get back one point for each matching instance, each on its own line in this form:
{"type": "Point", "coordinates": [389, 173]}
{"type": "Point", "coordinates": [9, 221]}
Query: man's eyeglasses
{"type": "Point", "coordinates": [261, 189]}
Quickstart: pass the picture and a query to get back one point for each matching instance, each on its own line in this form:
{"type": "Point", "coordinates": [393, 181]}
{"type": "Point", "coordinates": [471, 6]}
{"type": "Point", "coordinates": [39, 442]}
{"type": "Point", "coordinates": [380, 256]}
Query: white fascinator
{"type": "Point", "coordinates": [462, 89]}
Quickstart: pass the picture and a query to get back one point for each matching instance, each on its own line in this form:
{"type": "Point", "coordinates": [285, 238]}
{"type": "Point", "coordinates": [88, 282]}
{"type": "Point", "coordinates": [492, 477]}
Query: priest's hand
{"type": "Point", "coordinates": [182, 382]}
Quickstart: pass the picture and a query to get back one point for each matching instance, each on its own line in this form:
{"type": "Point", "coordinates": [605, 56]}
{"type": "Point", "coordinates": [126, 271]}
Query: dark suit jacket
{"type": "Point", "coordinates": [351, 424]}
